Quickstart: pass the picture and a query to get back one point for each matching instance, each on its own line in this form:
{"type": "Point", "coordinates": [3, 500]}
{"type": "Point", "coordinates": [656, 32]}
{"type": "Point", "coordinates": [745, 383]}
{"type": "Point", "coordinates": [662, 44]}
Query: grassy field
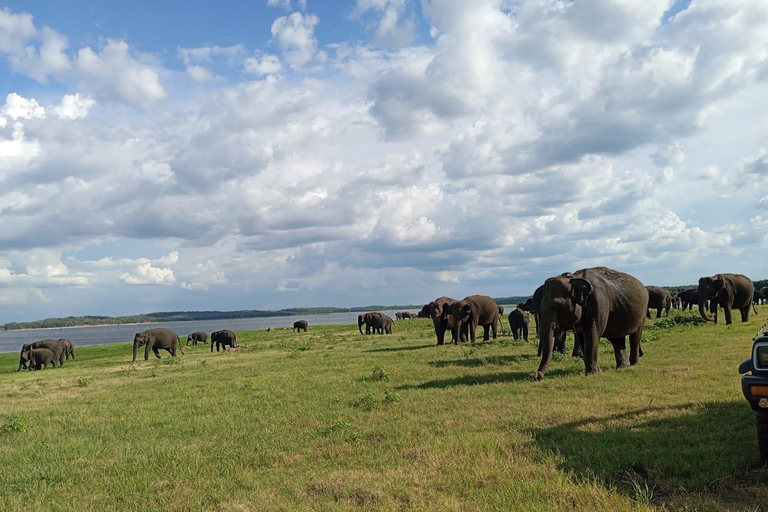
{"type": "Point", "coordinates": [332, 420]}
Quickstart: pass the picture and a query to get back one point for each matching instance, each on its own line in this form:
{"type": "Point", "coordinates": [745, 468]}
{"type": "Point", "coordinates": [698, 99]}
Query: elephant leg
{"type": "Point", "coordinates": [727, 310]}
{"type": "Point", "coordinates": [745, 314]}
{"type": "Point", "coordinates": [658, 313]}
{"type": "Point", "coordinates": [591, 347]}
{"type": "Point", "coordinates": [494, 330]}
{"type": "Point", "coordinates": [440, 332]}
{"type": "Point", "coordinates": [578, 345]}
{"type": "Point", "coordinates": [648, 314]}
{"type": "Point", "coordinates": [635, 347]}
{"type": "Point", "coordinates": [525, 333]}
{"type": "Point", "coordinates": [620, 351]}
{"type": "Point", "coordinates": [486, 330]}
{"type": "Point", "coordinates": [157, 353]}
{"type": "Point", "coordinates": [472, 331]}
{"type": "Point", "coordinates": [536, 319]}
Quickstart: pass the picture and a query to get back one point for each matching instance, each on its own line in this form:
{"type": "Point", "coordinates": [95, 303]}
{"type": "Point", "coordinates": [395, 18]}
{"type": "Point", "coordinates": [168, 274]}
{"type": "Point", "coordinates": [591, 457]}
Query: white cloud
{"type": "Point", "coordinates": [395, 30]}
{"type": "Point", "coordinates": [294, 35]}
{"type": "Point", "coordinates": [74, 106]}
{"type": "Point", "coordinates": [263, 65]}
{"type": "Point", "coordinates": [17, 107]}
{"type": "Point", "coordinates": [149, 272]}
{"type": "Point", "coordinates": [287, 4]}
{"type": "Point", "coordinates": [199, 73]}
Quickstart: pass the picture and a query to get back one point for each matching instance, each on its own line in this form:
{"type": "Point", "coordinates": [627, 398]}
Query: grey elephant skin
{"type": "Point", "coordinates": [223, 339]}
{"type": "Point", "coordinates": [688, 299]}
{"type": "Point", "coordinates": [518, 323]}
{"type": "Point", "coordinates": [298, 325]}
{"type": "Point", "coordinates": [41, 357]}
{"type": "Point", "coordinates": [55, 346]}
{"type": "Point", "coordinates": [197, 337]}
{"type": "Point", "coordinates": [729, 291]}
{"type": "Point", "coordinates": [156, 339]}
{"type": "Point", "coordinates": [475, 310]}
{"type": "Point", "coordinates": [69, 348]}
{"type": "Point", "coordinates": [595, 303]}
{"type": "Point", "coordinates": [659, 299]}
{"type": "Point", "coordinates": [439, 312]}
{"type": "Point", "coordinates": [375, 322]}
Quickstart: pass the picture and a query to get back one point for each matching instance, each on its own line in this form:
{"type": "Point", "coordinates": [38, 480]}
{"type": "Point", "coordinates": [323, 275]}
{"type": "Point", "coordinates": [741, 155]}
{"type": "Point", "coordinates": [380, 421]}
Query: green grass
{"type": "Point", "coordinates": [332, 420]}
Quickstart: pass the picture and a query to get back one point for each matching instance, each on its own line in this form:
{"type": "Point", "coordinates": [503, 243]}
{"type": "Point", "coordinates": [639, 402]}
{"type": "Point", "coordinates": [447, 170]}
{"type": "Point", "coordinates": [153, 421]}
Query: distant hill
{"type": "Point", "coordinates": [183, 316]}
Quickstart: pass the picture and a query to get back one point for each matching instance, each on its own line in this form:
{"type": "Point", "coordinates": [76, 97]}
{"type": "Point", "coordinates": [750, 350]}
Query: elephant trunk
{"type": "Point", "coordinates": [703, 308]}
{"type": "Point", "coordinates": [135, 348]}
{"type": "Point", "coordinates": [546, 343]}
{"type": "Point", "coordinates": [360, 324]}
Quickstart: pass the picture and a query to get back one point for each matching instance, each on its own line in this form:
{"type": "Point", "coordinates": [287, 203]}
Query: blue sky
{"type": "Point", "coordinates": [179, 155]}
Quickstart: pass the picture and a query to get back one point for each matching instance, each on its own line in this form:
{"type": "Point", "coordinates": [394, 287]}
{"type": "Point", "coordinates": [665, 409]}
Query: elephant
{"type": "Point", "coordinates": [731, 291]}
{"type": "Point", "coordinates": [197, 337]}
{"type": "Point", "coordinates": [155, 339]}
{"type": "Point", "coordinates": [299, 325]}
{"type": "Point", "coordinates": [407, 315]}
{"type": "Point", "coordinates": [518, 324]}
{"type": "Point", "coordinates": [41, 357]}
{"type": "Point", "coordinates": [658, 298]}
{"type": "Point", "coordinates": [375, 321]}
{"type": "Point", "coordinates": [501, 310]}
{"type": "Point", "coordinates": [532, 305]}
{"type": "Point", "coordinates": [424, 312]}
{"type": "Point", "coordinates": [438, 312]}
{"type": "Point", "coordinates": [688, 298]}
{"type": "Point", "coordinates": [55, 346]}
{"type": "Point", "coordinates": [757, 298]}
{"type": "Point", "coordinates": [596, 303]}
{"type": "Point", "coordinates": [677, 302]}
{"type": "Point", "coordinates": [222, 339]}
{"type": "Point", "coordinates": [69, 348]}
{"type": "Point", "coordinates": [398, 316]}
{"type": "Point", "coordinates": [475, 310]}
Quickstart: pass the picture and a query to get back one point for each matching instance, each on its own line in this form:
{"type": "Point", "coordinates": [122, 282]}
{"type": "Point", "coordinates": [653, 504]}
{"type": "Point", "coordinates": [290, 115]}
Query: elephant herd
{"type": "Point", "coordinates": [39, 354]}
{"type": "Point", "coordinates": [594, 303]}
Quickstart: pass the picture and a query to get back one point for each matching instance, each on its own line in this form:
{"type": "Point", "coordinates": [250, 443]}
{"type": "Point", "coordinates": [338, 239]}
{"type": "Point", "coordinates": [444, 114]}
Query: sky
{"type": "Point", "coordinates": [164, 156]}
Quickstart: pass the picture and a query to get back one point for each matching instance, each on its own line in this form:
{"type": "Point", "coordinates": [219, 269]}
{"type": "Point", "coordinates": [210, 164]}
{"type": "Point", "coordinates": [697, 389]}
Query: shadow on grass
{"type": "Point", "coordinates": [653, 452]}
{"type": "Point", "coordinates": [474, 362]}
{"type": "Point", "coordinates": [491, 378]}
{"type": "Point", "coordinates": [399, 349]}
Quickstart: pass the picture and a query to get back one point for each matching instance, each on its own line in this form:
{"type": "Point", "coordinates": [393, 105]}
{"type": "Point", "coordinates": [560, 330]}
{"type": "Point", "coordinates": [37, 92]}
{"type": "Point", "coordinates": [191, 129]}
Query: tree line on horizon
{"type": "Point", "coordinates": [187, 316]}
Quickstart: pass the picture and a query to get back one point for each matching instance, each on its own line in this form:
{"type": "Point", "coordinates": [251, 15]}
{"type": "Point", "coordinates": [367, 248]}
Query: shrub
{"type": "Point", "coordinates": [367, 402]}
{"type": "Point", "coordinates": [82, 382]}
{"type": "Point", "coordinates": [379, 373]}
{"type": "Point", "coordinates": [13, 423]}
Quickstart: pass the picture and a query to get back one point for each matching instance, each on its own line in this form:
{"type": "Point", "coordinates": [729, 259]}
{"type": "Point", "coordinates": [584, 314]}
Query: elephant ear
{"type": "Point", "coordinates": [719, 282]}
{"type": "Point", "coordinates": [466, 309]}
{"type": "Point", "coordinates": [580, 290]}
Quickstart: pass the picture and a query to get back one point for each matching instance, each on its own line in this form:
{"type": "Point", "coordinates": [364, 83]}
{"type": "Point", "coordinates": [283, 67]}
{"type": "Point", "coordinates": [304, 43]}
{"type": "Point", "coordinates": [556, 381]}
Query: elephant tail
{"type": "Point", "coordinates": [754, 308]}
{"type": "Point", "coordinates": [181, 347]}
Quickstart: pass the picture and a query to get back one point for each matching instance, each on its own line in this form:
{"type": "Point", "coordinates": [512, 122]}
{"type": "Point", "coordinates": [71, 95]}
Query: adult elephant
{"type": "Point", "coordinates": [518, 324]}
{"type": "Point", "coordinates": [398, 316]}
{"type": "Point", "coordinates": [69, 348]}
{"type": "Point", "coordinates": [197, 337]}
{"type": "Point", "coordinates": [688, 298]}
{"type": "Point", "coordinates": [475, 310]}
{"type": "Point", "coordinates": [154, 340]}
{"type": "Point", "coordinates": [424, 312]}
{"type": "Point", "coordinates": [222, 339]}
{"type": "Point", "coordinates": [730, 291]}
{"type": "Point", "coordinates": [658, 298]}
{"type": "Point", "coordinates": [375, 322]}
{"type": "Point", "coordinates": [299, 325]}
{"type": "Point", "coordinates": [757, 297]}
{"type": "Point", "coordinates": [596, 303]}
{"type": "Point", "coordinates": [439, 310]}
{"type": "Point", "coordinates": [55, 346]}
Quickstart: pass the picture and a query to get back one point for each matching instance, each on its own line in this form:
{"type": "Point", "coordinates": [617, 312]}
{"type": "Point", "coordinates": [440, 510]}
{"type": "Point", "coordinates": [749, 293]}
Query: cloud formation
{"type": "Point", "coordinates": [521, 140]}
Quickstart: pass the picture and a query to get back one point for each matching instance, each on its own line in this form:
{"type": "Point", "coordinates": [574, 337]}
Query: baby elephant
{"type": "Point", "coordinates": [196, 337]}
{"type": "Point", "coordinates": [222, 339]}
{"type": "Point", "coordinates": [41, 357]}
{"type": "Point", "coordinates": [518, 323]}
{"type": "Point", "coordinates": [300, 324]}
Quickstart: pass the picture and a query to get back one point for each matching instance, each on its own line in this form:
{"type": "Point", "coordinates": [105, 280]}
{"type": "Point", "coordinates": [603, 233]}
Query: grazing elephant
{"type": "Point", "coordinates": [69, 348]}
{"type": "Point", "coordinates": [475, 310]}
{"type": "Point", "coordinates": [398, 316]}
{"type": "Point", "coordinates": [222, 339]}
{"type": "Point", "coordinates": [688, 298]}
{"type": "Point", "coordinates": [596, 303]}
{"type": "Point", "coordinates": [41, 357]}
{"type": "Point", "coordinates": [407, 315]}
{"type": "Point", "coordinates": [58, 348]}
{"type": "Point", "coordinates": [658, 298]}
{"type": "Point", "coordinates": [677, 302]}
{"type": "Point", "coordinates": [439, 310]}
{"type": "Point", "coordinates": [299, 325]}
{"type": "Point", "coordinates": [155, 339]}
{"type": "Point", "coordinates": [197, 337]}
{"type": "Point", "coordinates": [731, 291]}
{"type": "Point", "coordinates": [757, 298]}
{"type": "Point", "coordinates": [375, 322]}
{"type": "Point", "coordinates": [424, 312]}
{"type": "Point", "coordinates": [518, 324]}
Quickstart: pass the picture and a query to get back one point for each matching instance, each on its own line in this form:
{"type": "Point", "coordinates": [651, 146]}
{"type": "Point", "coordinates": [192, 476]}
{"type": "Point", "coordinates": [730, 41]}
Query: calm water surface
{"type": "Point", "coordinates": [11, 341]}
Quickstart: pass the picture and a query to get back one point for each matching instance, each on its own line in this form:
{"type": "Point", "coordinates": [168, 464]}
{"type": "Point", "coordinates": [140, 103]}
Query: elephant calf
{"type": "Point", "coordinates": [518, 324]}
{"type": "Point", "coordinates": [299, 325]}
{"type": "Point", "coordinates": [196, 337]}
{"type": "Point", "coordinates": [41, 356]}
{"type": "Point", "coordinates": [222, 339]}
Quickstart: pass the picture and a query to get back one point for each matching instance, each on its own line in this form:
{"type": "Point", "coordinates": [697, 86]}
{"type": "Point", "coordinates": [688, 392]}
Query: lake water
{"type": "Point", "coordinates": [11, 341]}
